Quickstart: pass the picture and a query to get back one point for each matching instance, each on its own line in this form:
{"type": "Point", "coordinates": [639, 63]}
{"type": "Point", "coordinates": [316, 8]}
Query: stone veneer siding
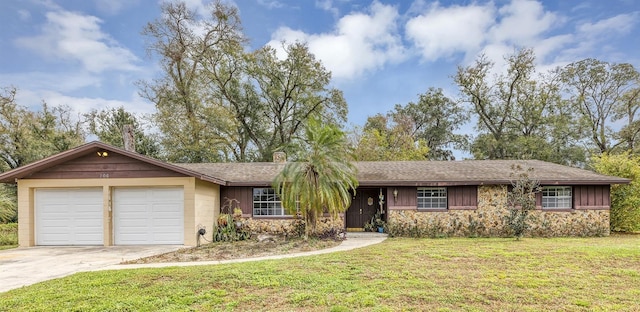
{"type": "Point", "coordinates": [489, 220]}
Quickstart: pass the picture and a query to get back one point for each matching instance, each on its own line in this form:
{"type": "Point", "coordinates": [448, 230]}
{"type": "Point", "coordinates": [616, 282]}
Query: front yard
{"type": "Point", "coordinates": [493, 274]}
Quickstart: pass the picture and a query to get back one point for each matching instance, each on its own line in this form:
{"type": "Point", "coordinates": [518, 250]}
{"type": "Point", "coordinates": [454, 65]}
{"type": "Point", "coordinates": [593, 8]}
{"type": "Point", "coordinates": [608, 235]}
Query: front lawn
{"type": "Point", "coordinates": [568, 274]}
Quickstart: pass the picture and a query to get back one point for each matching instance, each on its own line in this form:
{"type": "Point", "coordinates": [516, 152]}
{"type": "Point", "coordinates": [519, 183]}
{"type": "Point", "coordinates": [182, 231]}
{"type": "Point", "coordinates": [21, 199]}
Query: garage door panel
{"type": "Point", "coordinates": [167, 223]}
{"type": "Point", "coordinates": [125, 222]}
{"type": "Point", "coordinates": [167, 194]}
{"type": "Point", "coordinates": [68, 216]}
{"type": "Point", "coordinates": [148, 216]}
{"type": "Point", "coordinates": [165, 208]}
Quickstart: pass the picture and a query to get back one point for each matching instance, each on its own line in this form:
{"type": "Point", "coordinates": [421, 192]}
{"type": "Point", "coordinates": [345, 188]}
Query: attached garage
{"type": "Point", "coordinates": [69, 216]}
{"type": "Point", "coordinates": [97, 194]}
{"type": "Point", "coordinates": [148, 216]}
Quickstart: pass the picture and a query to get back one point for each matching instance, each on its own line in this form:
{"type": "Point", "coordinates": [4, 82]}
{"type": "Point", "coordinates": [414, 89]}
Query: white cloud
{"type": "Point", "coordinates": [592, 39]}
{"type": "Point", "coordinates": [621, 23]}
{"type": "Point", "coordinates": [113, 6]}
{"type": "Point", "coordinates": [83, 105]}
{"type": "Point", "coordinates": [61, 81]}
{"type": "Point", "coordinates": [360, 42]}
{"type": "Point", "coordinates": [442, 31]}
{"type": "Point", "coordinates": [327, 5]}
{"type": "Point", "coordinates": [24, 15]}
{"type": "Point", "coordinates": [522, 22]}
{"type": "Point", "coordinates": [72, 36]}
{"type": "Point", "coordinates": [199, 6]}
{"type": "Point", "coordinates": [271, 4]}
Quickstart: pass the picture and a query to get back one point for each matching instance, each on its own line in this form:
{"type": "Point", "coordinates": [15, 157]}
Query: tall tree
{"type": "Point", "coordinates": [27, 136]}
{"type": "Point", "coordinates": [434, 119]}
{"type": "Point", "coordinates": [520, 112]}
{"type": "Point", "coordinates": [381, 140]}
{"type": "Point", "coordinates": [597, 91]}
{"type": "Point", "coordinates": [184, 42]}
{"type": "Point", "coordinates": [322, 179]}
{"type": "Point", "coordinates": [290, 91]}
{"type": "Point", "coordinates": [629, 134]}
{"type": "Point", "coordinates": [232, 104]}
{"type": "Point", "coordinates": [108, 125]}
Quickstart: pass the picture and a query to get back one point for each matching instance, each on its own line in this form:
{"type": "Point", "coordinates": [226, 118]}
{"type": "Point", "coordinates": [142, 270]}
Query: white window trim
{"type": "Point", "coordinates": [278, 203]}
{"type": "Point", "coordinates": [556, 199]}
{"type": "Point", "coordinates": [439, 191]}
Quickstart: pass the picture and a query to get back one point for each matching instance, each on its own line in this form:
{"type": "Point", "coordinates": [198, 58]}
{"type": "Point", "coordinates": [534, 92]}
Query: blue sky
{"type": "Point", "coordinates": [89, 54]}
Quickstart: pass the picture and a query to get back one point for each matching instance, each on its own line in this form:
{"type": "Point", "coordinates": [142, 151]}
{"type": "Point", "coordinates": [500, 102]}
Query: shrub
{"type": "Point", "coordinates": [625, 198]}
{"type": "Point", "coordinates": [8, 234]}
{"type": "Point", "coordinates": [8, 205]}
{"type": "Point", "coordinates": [521, 199]}
{"type": "Point", "coordinates": [228, 230]}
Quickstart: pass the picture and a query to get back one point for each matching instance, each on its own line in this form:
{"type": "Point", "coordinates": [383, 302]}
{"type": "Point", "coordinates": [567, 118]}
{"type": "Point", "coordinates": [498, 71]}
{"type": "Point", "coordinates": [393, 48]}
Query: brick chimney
{"type": "Point", "coordinates": [128, 138]}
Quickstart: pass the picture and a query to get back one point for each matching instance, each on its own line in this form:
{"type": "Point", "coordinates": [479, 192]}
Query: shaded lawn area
{"type": "Point", "coordinates": [461, 274]}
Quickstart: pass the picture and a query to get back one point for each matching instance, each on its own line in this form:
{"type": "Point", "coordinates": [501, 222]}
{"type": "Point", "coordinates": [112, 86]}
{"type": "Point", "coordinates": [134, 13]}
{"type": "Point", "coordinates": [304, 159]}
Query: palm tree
{"type": "Point", "coordinates": [322, 179]}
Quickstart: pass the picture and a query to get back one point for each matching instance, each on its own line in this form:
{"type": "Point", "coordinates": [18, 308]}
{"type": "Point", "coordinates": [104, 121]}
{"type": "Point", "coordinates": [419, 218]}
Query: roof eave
{"type": "Point", "coordinates": [12, 176]}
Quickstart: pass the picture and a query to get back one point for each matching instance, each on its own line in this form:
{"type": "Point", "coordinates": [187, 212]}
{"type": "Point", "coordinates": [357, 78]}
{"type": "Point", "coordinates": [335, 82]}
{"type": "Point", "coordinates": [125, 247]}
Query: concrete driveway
{"type": "Point", "coordinates": [29, 265]}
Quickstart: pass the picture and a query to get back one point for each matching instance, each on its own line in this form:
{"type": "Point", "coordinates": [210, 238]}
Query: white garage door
{"type": "Point", "coordinates": [69, 216]}
{"type": "Point", "coordinates": [147, 216]}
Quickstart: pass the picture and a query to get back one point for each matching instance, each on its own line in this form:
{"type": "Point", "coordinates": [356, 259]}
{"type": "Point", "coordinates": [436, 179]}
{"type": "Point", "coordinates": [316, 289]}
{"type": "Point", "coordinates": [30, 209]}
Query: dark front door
{"type": "Point", "coordinates": [363, 207]}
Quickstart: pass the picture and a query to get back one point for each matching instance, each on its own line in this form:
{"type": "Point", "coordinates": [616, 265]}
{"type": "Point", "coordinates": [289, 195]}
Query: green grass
{"type": "Point", "coordinates": [567, 274]}
{"type": "Point", "coordinates": [8, 235]}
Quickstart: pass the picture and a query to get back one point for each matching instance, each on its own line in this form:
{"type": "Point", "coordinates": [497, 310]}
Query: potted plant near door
{"type": "Point", "coordinates": [377, 223]}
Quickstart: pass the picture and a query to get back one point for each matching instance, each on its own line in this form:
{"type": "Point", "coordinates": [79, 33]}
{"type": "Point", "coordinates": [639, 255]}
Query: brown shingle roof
{"type": "Point", "coordinates": [382, 173]}
{"type": "Point", "coordinates": [389, 173]}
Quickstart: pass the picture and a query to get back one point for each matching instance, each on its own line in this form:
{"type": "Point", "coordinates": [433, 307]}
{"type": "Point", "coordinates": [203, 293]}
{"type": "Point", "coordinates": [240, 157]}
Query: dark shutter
{"type": "Point", "coordinates": [591, 197]}
{"type": "Point", "coordinates": [462, 197]}
{"type": "Point", "coordinates": [243, 194]}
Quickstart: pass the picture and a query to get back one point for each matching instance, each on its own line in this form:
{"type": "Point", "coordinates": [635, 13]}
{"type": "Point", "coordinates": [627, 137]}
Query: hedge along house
{"type": "Point", "coordinates": [97, 194]}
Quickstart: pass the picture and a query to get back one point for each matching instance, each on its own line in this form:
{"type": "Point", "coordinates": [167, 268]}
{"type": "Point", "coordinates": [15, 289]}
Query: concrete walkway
{"type": "Point", "coordinates": [353, 241]}
{"type": "Point", "coordinates": [29, 265]}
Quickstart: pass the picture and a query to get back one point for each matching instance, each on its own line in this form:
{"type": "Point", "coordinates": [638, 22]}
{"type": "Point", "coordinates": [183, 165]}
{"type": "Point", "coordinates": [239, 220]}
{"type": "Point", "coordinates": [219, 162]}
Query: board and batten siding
{"type": "Point", "coordinates": [591, 197]}
{"type": "Point", "coordinates": [237, 196]}
{"type": "Point", "coordinates": [112, 166]}
{"type": "Point", "coordinates": [407, 198]}
{"type": "Point", "coordinates": [462, 197]}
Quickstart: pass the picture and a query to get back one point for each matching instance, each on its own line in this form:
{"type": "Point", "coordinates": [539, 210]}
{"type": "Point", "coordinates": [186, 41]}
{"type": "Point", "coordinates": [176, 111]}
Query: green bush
{"type": "Point", "coordinates": [8, 204]}
{"type": "Point", "coordinates": [227, 231]}
{"type": "Point", "coordinates": [625, 198]}
{"type": "Point", "coordinates": [8, 234]}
